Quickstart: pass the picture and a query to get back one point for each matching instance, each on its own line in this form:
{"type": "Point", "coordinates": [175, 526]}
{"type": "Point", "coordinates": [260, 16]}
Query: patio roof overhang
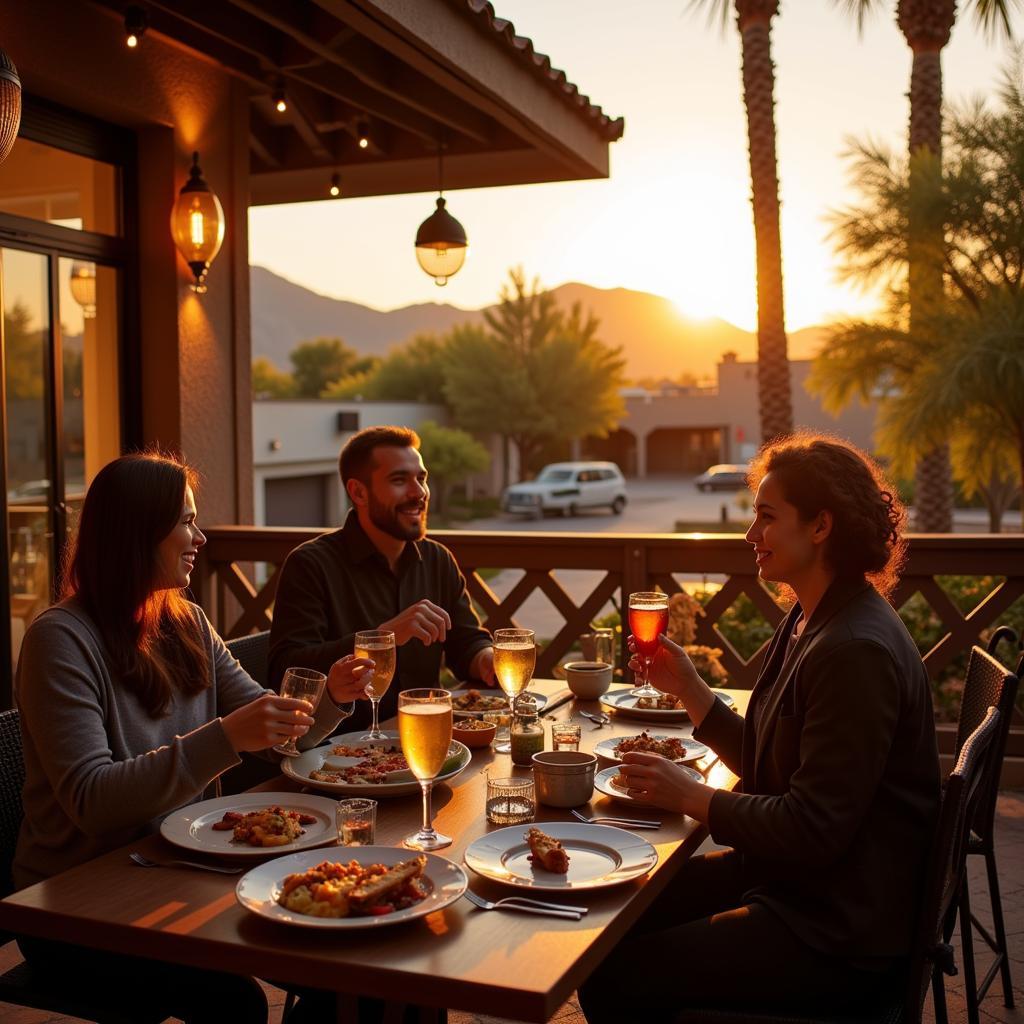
{"type": "Point", "coordinates": [419, 72]}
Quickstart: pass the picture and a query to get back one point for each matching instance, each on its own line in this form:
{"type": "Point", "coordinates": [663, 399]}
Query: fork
{"type": "Point", "coordinates": [527, 906]}
{"type": "Point", "coordinates": [145, 862]}
{"type": "Point", "coordinates": [601, 719]}
{"type": "Point", "coordinates": [631, 822]}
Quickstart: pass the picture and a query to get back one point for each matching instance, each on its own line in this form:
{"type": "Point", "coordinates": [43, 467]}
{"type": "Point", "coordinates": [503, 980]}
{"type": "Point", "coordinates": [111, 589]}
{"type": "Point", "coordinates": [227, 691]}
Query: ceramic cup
{"type": "Point", "coordinates": [588, 679]}
{"type": "Point", "coordinates": [564, 778]}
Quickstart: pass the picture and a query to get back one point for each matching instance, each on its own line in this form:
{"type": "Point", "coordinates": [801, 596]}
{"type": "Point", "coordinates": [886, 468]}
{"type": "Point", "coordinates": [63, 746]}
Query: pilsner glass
{"type": "Point", "coordinates": [425, 731]}
{"type": "Point", "coordinates": [306, 684]}
{"type": "Point", "coordinates": [648, 618]}
{"type": "Point", "coordinates": [379, 646]}
{"type": "Point", "coordinates": [515, 656]}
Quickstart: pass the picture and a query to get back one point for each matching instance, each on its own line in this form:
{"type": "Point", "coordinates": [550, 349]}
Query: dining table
{"type": "Point", "coordinates": [496, 962]}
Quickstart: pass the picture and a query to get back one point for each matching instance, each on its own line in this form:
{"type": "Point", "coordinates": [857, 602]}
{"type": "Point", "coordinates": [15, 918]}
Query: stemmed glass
{"type": "Point", "coordinates": [305, 684]}
{"type": "Point", "coordinates": [648, 617]}
{"type": "Point", "coordinates": [425, 731]}
{"type": "Point", "coordinates": [515, 657]}
{"type": "Point", "coordinates": [379, 646]}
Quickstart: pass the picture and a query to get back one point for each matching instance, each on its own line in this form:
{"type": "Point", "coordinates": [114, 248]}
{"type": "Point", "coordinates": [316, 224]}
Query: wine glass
{"type": "Point", "coordinates": [379, 646]}
{"type": "Point", "coordinates": [305, 684]}
{"type": "Point", "coordinates": [515, 657]}
{"type": "Point", "coordinates": [425, 731]}
{"type": "Point", "coordinates": [648, 617]}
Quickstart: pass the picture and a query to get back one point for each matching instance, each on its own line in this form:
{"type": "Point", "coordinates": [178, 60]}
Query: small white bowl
{"type": "Point", "coordinates": [588, 679]}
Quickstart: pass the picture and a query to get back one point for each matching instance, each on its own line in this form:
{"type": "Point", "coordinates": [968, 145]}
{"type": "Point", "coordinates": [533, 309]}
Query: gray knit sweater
{"type": "Point", "coordinates": [99, 770]}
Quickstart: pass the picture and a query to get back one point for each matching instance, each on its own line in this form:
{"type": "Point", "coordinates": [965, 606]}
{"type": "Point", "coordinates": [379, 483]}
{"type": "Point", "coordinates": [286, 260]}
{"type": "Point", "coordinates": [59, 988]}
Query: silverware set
{"type": "Point", "coordinates": [145, 862]}
{"type": "Point", "coordinates": [527, 906]}
{"type": "Point", "coordinates": [599, 719]}
{"type": "Point", "coordinates": [624, 822]}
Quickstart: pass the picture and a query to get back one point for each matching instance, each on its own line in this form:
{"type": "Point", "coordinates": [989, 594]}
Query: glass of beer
{"type": "Point", "coordinates": [515, 656]}
{"type": "Point", "coordinates": [379, 646]}
{"type": "Point", "coordinates": [425, 732]}
{"type": "Point", "coordinates": [305, 684]}
{"type": "Point", "coordinates": [648, 619]}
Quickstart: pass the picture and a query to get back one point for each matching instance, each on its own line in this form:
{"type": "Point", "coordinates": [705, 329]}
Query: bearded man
{"type": "Point", "coordinates": [379, 571]}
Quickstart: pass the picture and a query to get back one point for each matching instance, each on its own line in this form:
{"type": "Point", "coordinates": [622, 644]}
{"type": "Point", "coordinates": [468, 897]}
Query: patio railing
{"type": "Point", "coordinates": [237, 557]}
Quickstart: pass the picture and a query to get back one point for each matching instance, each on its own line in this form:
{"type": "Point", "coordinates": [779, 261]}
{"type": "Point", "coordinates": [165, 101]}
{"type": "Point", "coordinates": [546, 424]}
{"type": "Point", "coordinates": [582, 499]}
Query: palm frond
{"type": "Point", "coordinates": [718, 12]}
{"type": "Point", "coordinates": [858, 10]}
{"type": "Point", "coordinates": [994, 17]}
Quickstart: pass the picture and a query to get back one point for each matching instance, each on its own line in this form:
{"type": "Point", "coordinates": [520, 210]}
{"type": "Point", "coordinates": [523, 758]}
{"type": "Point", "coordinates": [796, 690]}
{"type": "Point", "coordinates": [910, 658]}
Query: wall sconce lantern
{"type": "Point", "coordinates": [10, 105]}
{"type": "Point", "coordinates": [83, 287]}
{"type": "Point", "coordinates": [135, 25]}
{"type": "Point", "coordinates": [441, 240]}
{"type": "Point", "coordinates": [197, 225]}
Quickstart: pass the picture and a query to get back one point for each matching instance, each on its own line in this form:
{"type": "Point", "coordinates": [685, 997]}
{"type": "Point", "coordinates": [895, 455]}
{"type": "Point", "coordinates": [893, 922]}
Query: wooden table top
{"type": "Point", "coordinates": [494, 962]}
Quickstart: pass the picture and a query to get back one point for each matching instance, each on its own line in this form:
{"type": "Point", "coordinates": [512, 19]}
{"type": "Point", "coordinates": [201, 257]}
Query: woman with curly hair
{"type": "Point", "coordinates": [812, 902]}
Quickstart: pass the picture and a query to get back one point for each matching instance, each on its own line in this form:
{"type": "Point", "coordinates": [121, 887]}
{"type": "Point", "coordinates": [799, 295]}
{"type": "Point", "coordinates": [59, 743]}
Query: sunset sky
{"type": "Point", "coordinates": [674, 217]}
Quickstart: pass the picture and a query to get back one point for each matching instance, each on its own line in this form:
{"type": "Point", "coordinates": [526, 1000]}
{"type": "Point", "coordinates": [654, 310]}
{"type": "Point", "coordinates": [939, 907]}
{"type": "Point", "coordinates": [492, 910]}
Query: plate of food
{"type": "Point", "coordinates": [479, 702]}
{"type": "Point", "coordinates": [348, 765]}
{"type": "Point", "coordinates": [560, 857]}
{"type": "Point", "coordinates": [252, 824]}
{"type": "Point", "coordinates": [355, 887]}
{"type": "Point", "coordinates": [612, 783]}
{"type": "Point", "coordinates": [675, 748]}
{"type": "Point", "coordinates": [664, 708]}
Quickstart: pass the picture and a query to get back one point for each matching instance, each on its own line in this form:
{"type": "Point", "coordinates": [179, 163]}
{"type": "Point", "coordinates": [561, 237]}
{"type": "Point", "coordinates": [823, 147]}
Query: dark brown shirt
{"type": "Point", "coordinates": [339, 583]}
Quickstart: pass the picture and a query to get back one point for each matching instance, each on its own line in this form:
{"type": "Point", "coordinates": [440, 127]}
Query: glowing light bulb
{"type": "Point", "coordinates": [132, 41]}
{"type": "Point", "coordinates": [195, 224]}
{"type": "Point", "coordinates": [335, 185]}
{"type": "Point", "coordinates": [282, 106]}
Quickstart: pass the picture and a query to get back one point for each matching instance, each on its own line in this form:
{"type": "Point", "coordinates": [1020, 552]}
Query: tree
{"type": "Point", "coordinates": [534, 377]}
{"type": "Point", "coordinates": [926, 25]}
{"type": "Point", "coordinates": [450, 456]}
{"type": "Point", "coordinates": [270, 382]}
{"type": "Point", "coordinates": [413, 372]}
{"type": "Point", "coordinates": [322, 362]}
{"type": "Point", "coordinates": [754, 21]}
{"type": "Point", "coordinates": [960, 373]}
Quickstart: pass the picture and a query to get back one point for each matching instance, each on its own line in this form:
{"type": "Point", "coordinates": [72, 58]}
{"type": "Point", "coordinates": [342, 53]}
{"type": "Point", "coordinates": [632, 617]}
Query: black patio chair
{"type": "Point", "coordinates": [932, 956]}
{"type": "Point", "coordinates": [22, 985]}
{"type": "Point", "coordinates": [987, 684]}
{"type": "Point", "coordinates": [253, 654]}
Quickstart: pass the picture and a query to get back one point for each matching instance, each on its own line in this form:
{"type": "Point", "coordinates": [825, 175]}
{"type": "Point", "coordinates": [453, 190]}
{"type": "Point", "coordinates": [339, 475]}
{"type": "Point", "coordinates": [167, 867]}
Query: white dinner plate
{"type": "Point", "coordinates": [599, 856]}
{"type": "Point", "coordinates": [603, 784]}
{"type": "Point", "coordinates": [694, 751]}
{"type": "Point", "coordinates": [192, 826]}
{"type": "Point", "coordinates": [404, 783]}
{"type": "Point", "coordinates": [258, 889]}
{"type": "Point", "coordinates": [622, 702]}
{"type": "Point", "coordinates": [539, 698]}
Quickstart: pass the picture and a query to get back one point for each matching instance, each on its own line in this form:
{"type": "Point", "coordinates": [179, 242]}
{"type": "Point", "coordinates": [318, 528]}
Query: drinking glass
{"type": "Point", "coordinates": [357, 820]}
{"type": "Point", "coordinates": [515, 656]}
{"type": "Point", "coordinates": [648, 617]}
{"type": "Point", "coordinates": [510, 801]}
{"type": "Point", "coordinates": [305, 684]}
{"type": "Point", "coordinates": [425, 732]}
{"type": "Point", "coordinates": [604, 646]}
{"type": "Point", "coordinates": [565, 736]}
{"type": "Point", "coordinates": [379, 646]}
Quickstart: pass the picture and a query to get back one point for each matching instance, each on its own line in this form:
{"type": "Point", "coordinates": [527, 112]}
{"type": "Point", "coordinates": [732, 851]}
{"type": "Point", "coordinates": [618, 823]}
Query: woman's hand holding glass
{"type": "Point", "coordinates": [663, 783]}
{"type": "Point", "coordinates": [672, 671]}
{"type": "Point", "coordinates": [267, 720]}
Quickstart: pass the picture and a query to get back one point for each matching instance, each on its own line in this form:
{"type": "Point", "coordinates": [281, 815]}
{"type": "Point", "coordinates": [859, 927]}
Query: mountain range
{"type": "Point", "coordinates": [657, 341]}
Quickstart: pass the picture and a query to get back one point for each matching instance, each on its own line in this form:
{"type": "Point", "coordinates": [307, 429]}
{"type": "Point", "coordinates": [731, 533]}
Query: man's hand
{"type": "Point", "coordinates": [423, 621]}
{"type": "Point", "coordinates": [348, 678]}
{"type": "Point", "coordinates": [482, 667]}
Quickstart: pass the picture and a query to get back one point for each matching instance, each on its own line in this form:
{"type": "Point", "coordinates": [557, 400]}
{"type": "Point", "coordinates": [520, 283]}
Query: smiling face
{"type": "Point", "coordinates": [786, 548]}
{"type": "Point", "coordinates": [397, 498]}
{"type": "Point", "coordinates": [176, 553]}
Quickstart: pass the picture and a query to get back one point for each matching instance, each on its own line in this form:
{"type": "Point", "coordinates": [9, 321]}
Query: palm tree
{"type": "Point", "coordinates": [754, 20]}
{"type": "Point", "coordinates": [926, 25]}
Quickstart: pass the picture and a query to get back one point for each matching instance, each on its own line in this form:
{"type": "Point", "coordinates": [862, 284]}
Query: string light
{"type": "Point", "coordinates": [335, 185]}
{"type": "Point", "coordinates": [135, 25]}
{"type": "Point", "coordinates": [280, 100]}
{"type": "Point", "coordinates": [363, 133]}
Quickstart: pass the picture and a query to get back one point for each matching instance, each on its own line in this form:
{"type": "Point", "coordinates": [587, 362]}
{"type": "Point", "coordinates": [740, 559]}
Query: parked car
{"type": "Point", "coordinates": [568, 487]}
{"type": "Point", "coordinates": [727, 476]}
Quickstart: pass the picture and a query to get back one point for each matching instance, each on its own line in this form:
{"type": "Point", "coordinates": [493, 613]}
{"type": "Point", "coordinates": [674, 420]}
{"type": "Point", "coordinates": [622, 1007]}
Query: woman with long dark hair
{"type": "Point", "coordinates": [812, 903]}
{"type": "Point", "coordinates": [131, 705]}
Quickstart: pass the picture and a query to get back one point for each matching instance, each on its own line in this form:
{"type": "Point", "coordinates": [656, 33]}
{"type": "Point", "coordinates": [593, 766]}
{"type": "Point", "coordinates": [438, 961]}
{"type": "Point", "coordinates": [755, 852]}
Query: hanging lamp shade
{"type": "Point", "coordinates": [10, 105]}
{"type": "Point", "coordinates": [441, 244]}
{"type": "Point", "coordinates": [197, 225]}
{"type": "Point", "coordinates": [83, 287]}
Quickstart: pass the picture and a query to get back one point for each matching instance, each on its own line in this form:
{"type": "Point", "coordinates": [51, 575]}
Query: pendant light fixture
{"type": "Point", "coordinates": [10, 105]}
{"type": "Point", "coordinates": [197, 224]}
{"type": "Point", "coordinates": [83, 287]}
{"type": "Point", "coordinates": [441, 240]}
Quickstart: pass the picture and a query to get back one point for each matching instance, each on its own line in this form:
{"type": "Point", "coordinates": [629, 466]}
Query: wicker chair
{"type": "Point", "coordinates": [22, 985]}
{"type": "Point", "coordinates": [932, 956]}
{"type": "Point", "coordinates": [987, 684]}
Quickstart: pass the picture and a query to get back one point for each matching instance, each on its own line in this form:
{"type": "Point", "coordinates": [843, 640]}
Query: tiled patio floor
{"type": "Point", "coordinates": [1010, 856]}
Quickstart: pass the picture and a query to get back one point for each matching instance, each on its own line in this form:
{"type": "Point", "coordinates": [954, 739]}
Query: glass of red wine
{"type": "Point", "coordinates": [648, 619]}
